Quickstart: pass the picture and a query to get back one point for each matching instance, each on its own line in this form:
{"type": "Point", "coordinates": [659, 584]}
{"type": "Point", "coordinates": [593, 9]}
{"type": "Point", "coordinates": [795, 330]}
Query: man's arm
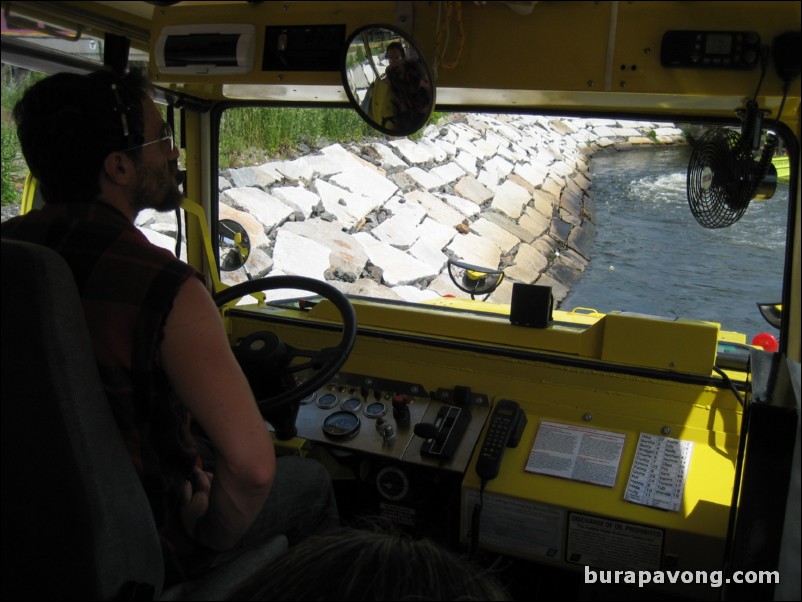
{"type": "Point", "coordinates": [198, 360]}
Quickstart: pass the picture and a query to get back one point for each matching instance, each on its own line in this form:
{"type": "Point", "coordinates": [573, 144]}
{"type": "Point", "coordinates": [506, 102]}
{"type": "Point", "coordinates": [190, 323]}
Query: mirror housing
{"type": "Point", "coordinates": [387, 80]}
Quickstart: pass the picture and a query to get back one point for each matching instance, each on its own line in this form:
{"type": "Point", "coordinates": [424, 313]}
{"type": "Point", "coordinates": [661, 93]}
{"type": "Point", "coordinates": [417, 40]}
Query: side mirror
{"type": "Point", "coordinates": [235, 245]}
{"type": "Point", "coordinates": [474, 279]}
{"type": "Point", "coordinates": [387, 80]}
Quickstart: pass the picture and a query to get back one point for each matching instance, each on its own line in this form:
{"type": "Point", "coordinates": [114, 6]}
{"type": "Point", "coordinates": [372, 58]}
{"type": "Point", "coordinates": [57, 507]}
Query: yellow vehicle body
{"type": "Point", "coordinates": [783, 168]}
{"type": "Point", "coordinates": [622, 375]}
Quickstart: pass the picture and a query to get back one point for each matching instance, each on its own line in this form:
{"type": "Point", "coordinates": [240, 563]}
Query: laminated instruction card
{"type": "Point", "coordinates": [659, 471]}
{"type": "Point", "coordinates": [577, 453]}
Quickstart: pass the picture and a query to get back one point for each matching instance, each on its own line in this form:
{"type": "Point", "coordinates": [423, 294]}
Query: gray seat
{"type": "Point", "coordinates": [76, 522]}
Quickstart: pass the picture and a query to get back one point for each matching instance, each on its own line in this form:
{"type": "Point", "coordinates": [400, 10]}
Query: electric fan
{"type": "Point", "coordinates": [723, 175]}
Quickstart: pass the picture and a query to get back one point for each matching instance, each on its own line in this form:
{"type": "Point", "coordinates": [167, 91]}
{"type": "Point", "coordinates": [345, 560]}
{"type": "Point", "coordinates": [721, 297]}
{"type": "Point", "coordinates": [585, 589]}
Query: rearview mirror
{"type": "Point", "coordinates": [387, 80]}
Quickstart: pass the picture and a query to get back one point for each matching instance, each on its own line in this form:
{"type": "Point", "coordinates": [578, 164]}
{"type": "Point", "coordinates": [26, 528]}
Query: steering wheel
{"type": "Point", "coordinates": [263, 350]}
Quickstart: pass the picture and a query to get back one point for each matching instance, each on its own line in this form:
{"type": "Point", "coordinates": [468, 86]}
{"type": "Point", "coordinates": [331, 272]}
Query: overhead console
{"type": "Point", "coordinates": [302, 51]}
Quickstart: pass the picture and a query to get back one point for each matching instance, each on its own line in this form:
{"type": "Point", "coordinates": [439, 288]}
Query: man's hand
{"type": "Point", "coordinates": [205, 375]}
{"type": "Point", "coordinates": [195, 499]}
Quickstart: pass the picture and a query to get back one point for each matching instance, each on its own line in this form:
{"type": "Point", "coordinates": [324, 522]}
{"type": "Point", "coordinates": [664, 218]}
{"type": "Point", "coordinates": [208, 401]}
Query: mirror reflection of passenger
{"type": "Point", "coordinates": [281, 48]}
{"type": "Point", "coordinates": [412, 91]}
{"type": "Point", "coordinates": [401, 99]}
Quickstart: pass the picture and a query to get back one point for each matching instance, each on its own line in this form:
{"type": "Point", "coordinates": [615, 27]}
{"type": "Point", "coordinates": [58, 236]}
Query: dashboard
{"type": "Point", "coordinates": [615, 465]}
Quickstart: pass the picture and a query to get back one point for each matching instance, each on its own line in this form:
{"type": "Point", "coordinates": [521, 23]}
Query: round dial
{"type": "Point", "coordinates": [327, 401]}
{"type": "Point", "coordinates": [375, 410]}
{"type": "Point", "coordinates": [352, 404]}
{"type": "Point", "coordinates": [341, 425]}
{"type": "Point", "coordinates": [392, 483]}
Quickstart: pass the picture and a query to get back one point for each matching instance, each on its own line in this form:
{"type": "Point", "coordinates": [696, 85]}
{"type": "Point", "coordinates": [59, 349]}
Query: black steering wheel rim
{"type": "Point", "coordinates": [343, 347]}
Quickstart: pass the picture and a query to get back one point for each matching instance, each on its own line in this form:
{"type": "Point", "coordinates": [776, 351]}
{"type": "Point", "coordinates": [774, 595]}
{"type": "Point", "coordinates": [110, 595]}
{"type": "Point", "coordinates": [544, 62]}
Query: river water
{"type": "Point", "coordinates": [651, 256]}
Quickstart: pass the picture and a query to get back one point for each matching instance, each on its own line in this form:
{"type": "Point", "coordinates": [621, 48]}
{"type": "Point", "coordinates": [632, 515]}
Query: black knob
{"type": "Point", "coordinates": [426, 430]}
{"type": "Point", "coordinates": [401, 409]}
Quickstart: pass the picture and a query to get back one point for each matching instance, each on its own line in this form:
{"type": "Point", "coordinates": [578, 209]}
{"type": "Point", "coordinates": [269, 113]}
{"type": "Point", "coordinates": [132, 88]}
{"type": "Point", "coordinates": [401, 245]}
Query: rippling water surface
{"type": "Point", "coordinates": [651, 256]}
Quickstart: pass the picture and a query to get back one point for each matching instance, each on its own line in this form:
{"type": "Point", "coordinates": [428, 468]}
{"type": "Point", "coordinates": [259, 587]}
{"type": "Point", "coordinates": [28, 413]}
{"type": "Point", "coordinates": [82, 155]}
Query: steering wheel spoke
{"type": "Point", "coordinates": [326, 361]}
{"type": "Point", "coordinates": [317, 359]}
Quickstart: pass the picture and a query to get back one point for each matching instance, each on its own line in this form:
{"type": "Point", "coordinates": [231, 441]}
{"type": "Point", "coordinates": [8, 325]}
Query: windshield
{"type": "Point", "coordinates": [596, 209]}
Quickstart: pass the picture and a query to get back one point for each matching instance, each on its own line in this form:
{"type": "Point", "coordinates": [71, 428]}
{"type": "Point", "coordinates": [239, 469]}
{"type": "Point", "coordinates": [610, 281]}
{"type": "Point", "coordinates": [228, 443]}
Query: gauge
{"type": "Point", "coordinates": [327, 401]}
{"type": "Point", "coordinates": [375, 409]}
{"type": "Point", "coordinates": [341, 425]}
{"type": "Point", "coordinates": [392, 483]}
{"type": "Point", "coordinates": [309, 398]}
{"type": "Point", "coordinates": [352, 404]}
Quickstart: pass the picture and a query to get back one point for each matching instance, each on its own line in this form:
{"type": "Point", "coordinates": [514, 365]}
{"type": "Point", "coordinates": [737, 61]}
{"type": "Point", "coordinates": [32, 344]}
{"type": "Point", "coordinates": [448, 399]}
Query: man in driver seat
{"type": "Point", "coordinates": [101, 153]}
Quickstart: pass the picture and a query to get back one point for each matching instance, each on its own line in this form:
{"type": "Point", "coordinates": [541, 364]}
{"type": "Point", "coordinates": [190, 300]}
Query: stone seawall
{"type": "Point", "coordinates": [382, 218]}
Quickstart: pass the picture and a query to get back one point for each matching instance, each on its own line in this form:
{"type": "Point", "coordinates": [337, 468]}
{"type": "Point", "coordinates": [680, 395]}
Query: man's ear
{"type": "Point", "coordinates": [119, 168]}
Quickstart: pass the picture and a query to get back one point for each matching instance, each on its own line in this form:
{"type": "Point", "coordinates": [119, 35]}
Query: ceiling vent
{"type": "Point", "coordinates": [205, 49]}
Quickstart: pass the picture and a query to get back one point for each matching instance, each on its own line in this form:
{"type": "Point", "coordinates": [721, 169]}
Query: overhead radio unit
{"type": "Point", "coordinates": [710, 49]}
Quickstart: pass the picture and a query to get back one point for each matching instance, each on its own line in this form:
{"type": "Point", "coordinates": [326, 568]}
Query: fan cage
{"type": "Point", "coordinates": [721, 179]}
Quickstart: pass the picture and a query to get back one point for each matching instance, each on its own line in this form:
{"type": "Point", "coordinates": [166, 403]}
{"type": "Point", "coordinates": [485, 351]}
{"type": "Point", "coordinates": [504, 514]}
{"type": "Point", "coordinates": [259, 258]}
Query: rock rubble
{"type": "Point", "coordinates": [382, 218]}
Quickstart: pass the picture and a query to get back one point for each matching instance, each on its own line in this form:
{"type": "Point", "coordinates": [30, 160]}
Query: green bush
{"type": "Point", "coordinates": [274, 130]}
{"type": "Point", "coordinates": [14, 83]}
{"type": "Point", "coordinates": [10, 195]}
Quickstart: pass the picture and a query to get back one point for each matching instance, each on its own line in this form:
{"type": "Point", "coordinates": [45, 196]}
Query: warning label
{"type": "Point", "coordinates": [603, 543]}
{"type": "Point", "coordinates": [515, 526]}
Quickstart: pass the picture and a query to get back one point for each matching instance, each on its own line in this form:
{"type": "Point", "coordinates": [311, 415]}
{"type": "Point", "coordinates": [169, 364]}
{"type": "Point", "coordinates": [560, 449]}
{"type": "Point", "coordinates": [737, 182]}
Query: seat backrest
{"type": "Point", "coordinates": [76, 522]}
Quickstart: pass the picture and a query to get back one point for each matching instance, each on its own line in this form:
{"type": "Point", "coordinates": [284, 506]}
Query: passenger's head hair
{"type": "Point", "coordinates": [67, 125]}
{"type": "Point", "coordinates": [355, 564]}
{"type": "Point", "coordinates": [398, 46]}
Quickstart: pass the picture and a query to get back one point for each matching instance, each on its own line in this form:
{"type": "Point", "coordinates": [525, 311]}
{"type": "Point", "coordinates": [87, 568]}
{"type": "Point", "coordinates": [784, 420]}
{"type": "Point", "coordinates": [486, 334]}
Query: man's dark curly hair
{"type": "Point", "coordinates": [67, 124]}
{"type": "Point", "coordinates": [398, 46]}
